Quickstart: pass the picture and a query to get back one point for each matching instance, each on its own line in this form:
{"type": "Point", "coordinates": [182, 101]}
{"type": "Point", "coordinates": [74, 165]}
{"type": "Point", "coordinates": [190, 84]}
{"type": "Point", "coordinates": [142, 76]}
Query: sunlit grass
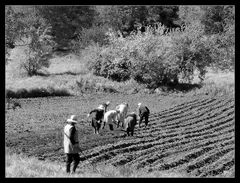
{"type": "Point", "coordinates": [22, 166]}
{"type": "Point", "coordinates": [69, 64]}
{"type": "Point", "coordinates": [68, 75]}
{"type": "Point", "coordinates": [217, 83]}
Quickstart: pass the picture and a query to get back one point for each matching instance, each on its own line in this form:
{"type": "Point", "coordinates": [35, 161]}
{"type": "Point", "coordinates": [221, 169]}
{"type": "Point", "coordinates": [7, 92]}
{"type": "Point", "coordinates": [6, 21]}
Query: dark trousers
{"type": "Point", "coordinates": [145, 116]}
{"type": "Point", "coordinates": [72, 158]}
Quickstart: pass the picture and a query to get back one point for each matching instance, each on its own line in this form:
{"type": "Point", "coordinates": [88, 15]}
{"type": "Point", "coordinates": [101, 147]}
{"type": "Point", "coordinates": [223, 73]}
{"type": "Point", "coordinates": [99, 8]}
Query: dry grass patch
{"type": "Point", "coordinates": [69, 64]}
{"type": "Point", "coordinates": [22, 166]}
{"type": "Point", "coordinates": [216, 83]}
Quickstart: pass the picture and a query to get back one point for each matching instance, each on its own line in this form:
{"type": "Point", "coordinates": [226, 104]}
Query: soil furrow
{"type": "Point", "coordinates": [156, 147]}
{"type": "Point", "coordinates": [220, 125]}
{"type": "Point", "coordinates": [199, 107]}
{"type": "Point", "coordinates": [173, 151]}
{"type": "Point", "coordinates": [156, 142]}
{"type": "Point", "coordinates": [177, 112]}
{"type": "Point", "coordinates": [183, 106]}
{"type": "Point", "coordinates": [199, 121]}
{"type": "Point", "coordinates": [175, 109]}
{"type": "Point", "coordinates": [213, 123]}
{"type": "Point", "coordinates": [202, 172]}
{"type": "Point", "coordinates": [225, 143]}
{"type": "Point", "coordinates": [208, 160]}
{"type": "Point", "coordinates": [102, 152]}
{"type": "Point", "coordinates": [204, 111]}
{"type": "Point", "coordinates": [178, 119]}
{"type": "Point", "coordinates": [155, 114]}
{"type": "Point", "coordinates": [224, 167]}
{"type": "Point", "coordinates": [192, 120]}
{"type": "Point", "coordinates": [193, 155]}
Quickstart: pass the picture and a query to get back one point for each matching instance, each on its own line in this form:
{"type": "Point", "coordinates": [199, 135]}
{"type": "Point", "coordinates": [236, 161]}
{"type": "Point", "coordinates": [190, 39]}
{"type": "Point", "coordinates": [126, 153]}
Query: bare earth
{"type": "Point", "coordinates": [194, 135]}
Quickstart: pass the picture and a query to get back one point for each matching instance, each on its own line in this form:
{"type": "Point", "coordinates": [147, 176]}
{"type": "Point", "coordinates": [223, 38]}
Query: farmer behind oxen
{"type": "Point", "coordinates": [143, 113]}
{"type": "Point", "coordinates": [98, 115]}
{"type": "Point", "coordinates": [71, 145]}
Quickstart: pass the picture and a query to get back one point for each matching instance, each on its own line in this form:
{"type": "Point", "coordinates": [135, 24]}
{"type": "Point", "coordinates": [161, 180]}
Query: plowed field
{"type": "Point", "coordinates": [195, 136]}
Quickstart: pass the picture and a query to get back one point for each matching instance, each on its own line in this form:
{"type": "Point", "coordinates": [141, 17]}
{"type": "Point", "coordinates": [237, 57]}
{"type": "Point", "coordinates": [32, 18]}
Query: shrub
{"type": "Point", "coordinates": [94, 84]}
{"type": "Point", "coordinates": [154, 58]}
{"type": "Point", "coordinates": [91, 55]}
{"type": "Point", "coordinates": [223, 48]}
{"type": "Point", "coordinates": [9, 93]}
{"type": "Point", "coordinates": [36, 92]}
{"type": "Point", "coordinates": [113, 65]}
{"type": "Point", "coordinates": [219, 28]}
{"type": "Point", "coordinates": [110, 61]}
{"type": "Point", "coordinates": [35, 61]}
{"type": "Point", "coordinates": [88, 36]}
{"type": "Point", "coordinates": [190, 51]}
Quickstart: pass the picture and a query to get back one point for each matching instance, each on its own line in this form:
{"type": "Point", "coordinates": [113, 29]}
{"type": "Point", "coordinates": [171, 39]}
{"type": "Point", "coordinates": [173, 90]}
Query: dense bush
{"type": "Point", "coordinates": [36, 92]}
{"type": "Point", "coordinates": [223, 48]}
{"type": "Point", "coordinates": [190, 52]}
{"type": "Point", "coordinates": [112, 65]}
{"type": "Point", "coordinates": [154, 58]}
{"type": "Point", "coordinates": [109, 61]}
{"type": "Point", "coordinates": [219, 28]}
{"type": "Point", "coordinates": [87, 36]}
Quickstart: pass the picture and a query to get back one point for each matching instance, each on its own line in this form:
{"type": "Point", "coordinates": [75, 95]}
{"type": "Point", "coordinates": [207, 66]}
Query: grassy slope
{"type": "Point", "coordinates": [22, 166]}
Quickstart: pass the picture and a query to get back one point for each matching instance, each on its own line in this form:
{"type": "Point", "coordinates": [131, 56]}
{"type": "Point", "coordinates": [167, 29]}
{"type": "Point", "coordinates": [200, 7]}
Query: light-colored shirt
{"type": "Point", "coordinates": [69, 147]}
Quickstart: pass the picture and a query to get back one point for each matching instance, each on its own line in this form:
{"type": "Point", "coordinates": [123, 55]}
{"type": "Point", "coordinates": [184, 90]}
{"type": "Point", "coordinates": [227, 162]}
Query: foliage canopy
{"type": "Point", "coordinates": [127, 41]}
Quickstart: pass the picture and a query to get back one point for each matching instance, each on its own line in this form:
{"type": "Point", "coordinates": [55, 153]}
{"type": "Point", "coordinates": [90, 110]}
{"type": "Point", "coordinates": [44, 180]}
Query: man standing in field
{"type": "Point", "coordinates": [71, 146]}
{"type": "Point", "coordinates": [143, 112]}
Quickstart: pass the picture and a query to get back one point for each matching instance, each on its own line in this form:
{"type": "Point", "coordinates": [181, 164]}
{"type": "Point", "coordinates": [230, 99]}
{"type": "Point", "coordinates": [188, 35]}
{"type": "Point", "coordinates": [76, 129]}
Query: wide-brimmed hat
{"type": "Point", "coordinates": [139, 104]}
{"type": "Point", "coordinates": [72, 119]}
{"type": "Point", "coordinates": [108, 102]}
{"type": "Point", "coordinates": [101, 107]}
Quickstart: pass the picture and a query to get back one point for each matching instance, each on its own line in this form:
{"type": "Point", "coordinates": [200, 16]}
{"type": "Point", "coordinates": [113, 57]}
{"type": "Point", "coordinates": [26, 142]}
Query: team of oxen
{"type": "Point", "coordinates": [119, 116]}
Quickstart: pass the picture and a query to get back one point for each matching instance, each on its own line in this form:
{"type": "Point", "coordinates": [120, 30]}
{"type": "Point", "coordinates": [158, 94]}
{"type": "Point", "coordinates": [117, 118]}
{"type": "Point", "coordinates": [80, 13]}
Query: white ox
{"type": "Point", "coordinates": [110, 117]}
{"type": "Point", "coordinates": [123, 109]}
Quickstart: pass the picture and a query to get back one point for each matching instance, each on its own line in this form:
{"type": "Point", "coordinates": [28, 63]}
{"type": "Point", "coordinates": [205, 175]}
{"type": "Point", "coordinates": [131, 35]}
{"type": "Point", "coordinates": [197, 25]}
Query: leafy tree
{"type": "Point", "coordinates": [190, 14]}
{"type": "Point", "coordinates": [219, 30]}
{"type": "Point", "coordinates": [88, 36]}
{"type": "Point", "coordinates": [213, 19]}
{"type": "Point", "coordinates": [128, 18]}
{"type": "Point", "coordinates": [10, 27]}
{"type": "Point", "coordinates": [29, 29]}
{"type": "Point", "coordinates": [13, 29]}
{"type": "Point", "coordinates": [220, 26]}
{"type": "Point", "coordinates": [67, 21]}
{"type": "Point", "coordinates": [116, 17]}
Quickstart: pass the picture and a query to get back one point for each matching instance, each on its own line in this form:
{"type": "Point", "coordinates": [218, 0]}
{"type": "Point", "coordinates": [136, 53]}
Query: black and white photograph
{"type": "Point", "coordinates": [120, 91]}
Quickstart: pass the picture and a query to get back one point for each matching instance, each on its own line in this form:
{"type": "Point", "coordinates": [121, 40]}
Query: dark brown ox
{"type": "Point", "coordinates": [129, 123]}
{"type": "Point", "coordinates": [97, 116]}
